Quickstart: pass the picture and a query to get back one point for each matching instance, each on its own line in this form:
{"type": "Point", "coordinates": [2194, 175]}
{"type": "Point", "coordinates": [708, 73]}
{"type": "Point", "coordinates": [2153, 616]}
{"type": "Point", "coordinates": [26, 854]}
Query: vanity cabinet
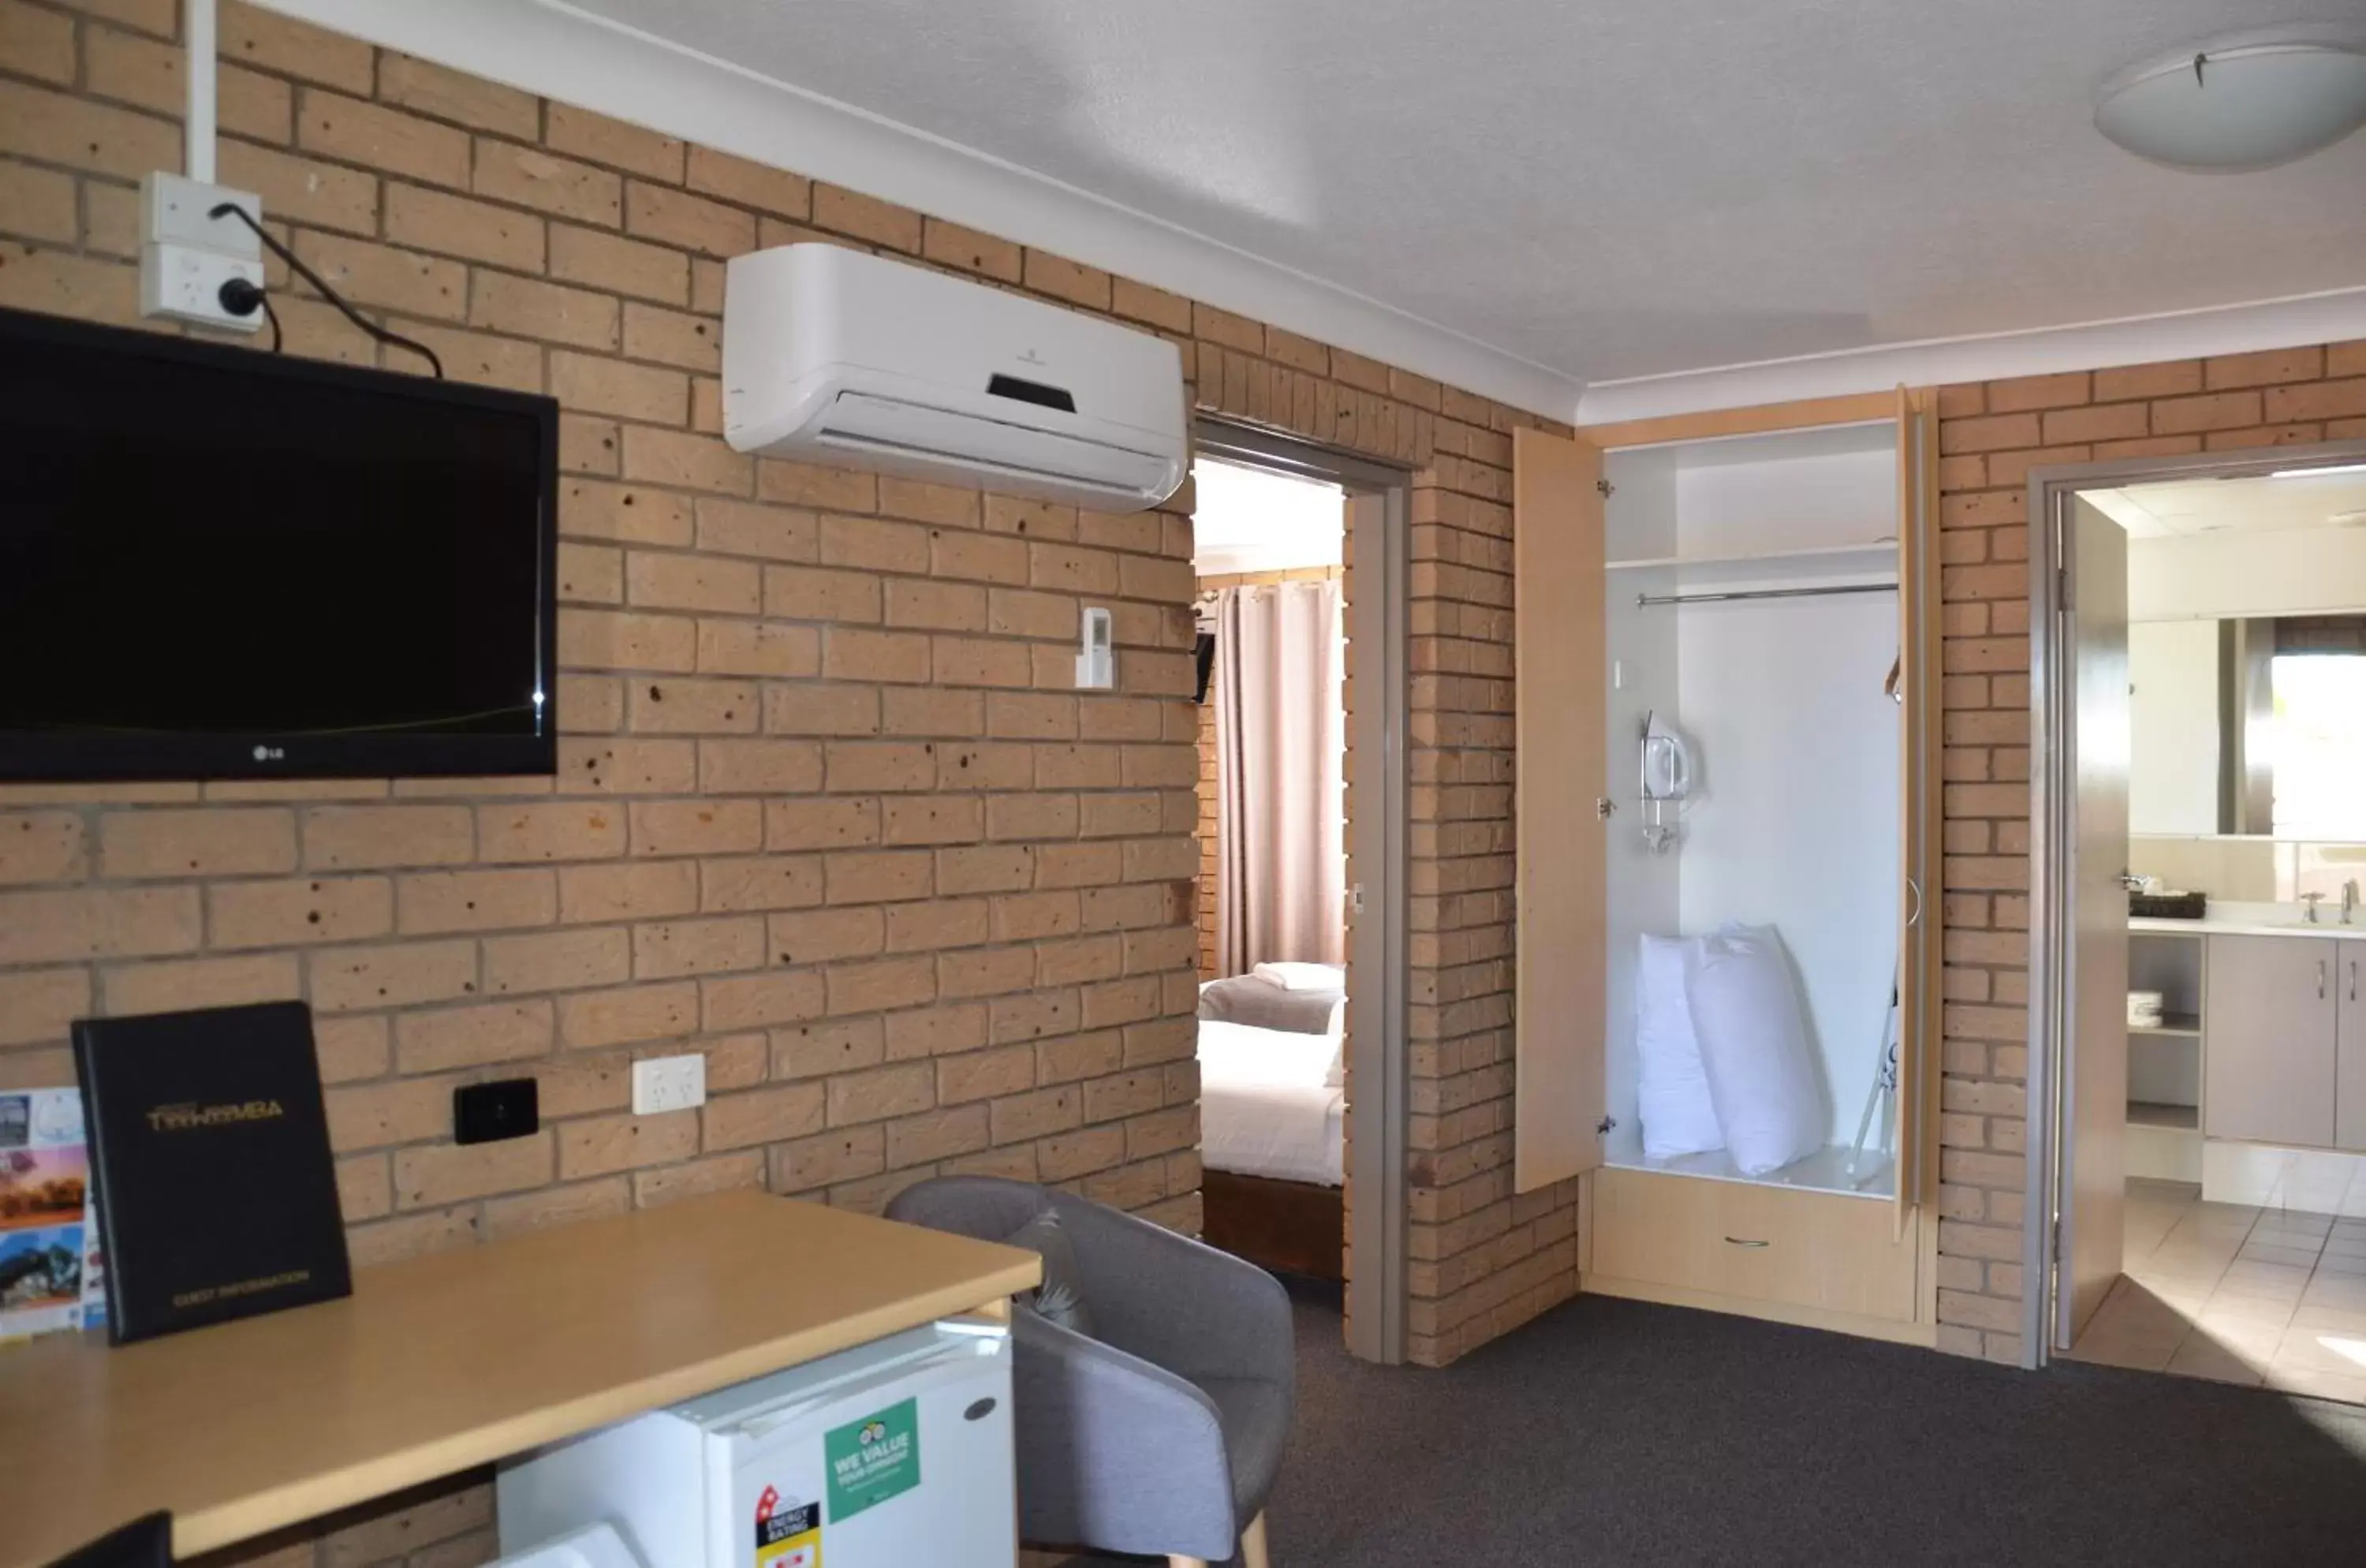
{"type": "Point", "coordinates": [2349, 1048]}
{"type": "Point", "coordinates": [2273, 1026]}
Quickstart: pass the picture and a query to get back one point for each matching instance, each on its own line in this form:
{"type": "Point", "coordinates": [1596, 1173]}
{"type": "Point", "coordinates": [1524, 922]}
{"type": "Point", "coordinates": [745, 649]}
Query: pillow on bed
{"type": "Point", "coordinates": [1261, 1004]}
{"type": "Point", "coordinates": [1754, 1047]}
{"type": "Point", "coordinates": [1672, 1097]}
{"type": "Point", "coordinates": [1336, 1032]}
{"type": "Point", "coordinates": [1304, 976]}
{"type": "Point", "coordinates": [1061, 1297]}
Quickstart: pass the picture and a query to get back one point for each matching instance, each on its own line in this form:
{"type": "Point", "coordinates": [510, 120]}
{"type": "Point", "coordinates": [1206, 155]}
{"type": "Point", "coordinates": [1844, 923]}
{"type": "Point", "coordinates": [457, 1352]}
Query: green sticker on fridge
{"type": "Point", "coordinates": [872, 1459]}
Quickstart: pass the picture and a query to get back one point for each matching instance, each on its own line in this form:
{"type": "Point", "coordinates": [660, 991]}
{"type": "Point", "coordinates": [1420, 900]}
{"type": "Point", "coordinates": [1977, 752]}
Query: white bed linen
{"type": "Point", "coordinates": [1264, 1107]}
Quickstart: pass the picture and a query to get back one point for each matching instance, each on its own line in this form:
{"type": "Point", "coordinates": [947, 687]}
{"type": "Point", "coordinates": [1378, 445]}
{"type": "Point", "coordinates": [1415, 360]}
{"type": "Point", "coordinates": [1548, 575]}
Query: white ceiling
{"type": "Point", "coordinates": [1250, 520]}
{"type": "Point", "coordinates": [2182, 508]}
{"type": "Point", "coordinates": [1606, 189]}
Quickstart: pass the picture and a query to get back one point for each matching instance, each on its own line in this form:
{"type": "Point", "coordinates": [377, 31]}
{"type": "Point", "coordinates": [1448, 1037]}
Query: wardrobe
{"type": "Point", "coordinates": [1726, 690]}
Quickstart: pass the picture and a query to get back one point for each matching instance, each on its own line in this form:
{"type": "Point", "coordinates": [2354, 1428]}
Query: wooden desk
{"type": "Point", "coordinates": [442, 1363]}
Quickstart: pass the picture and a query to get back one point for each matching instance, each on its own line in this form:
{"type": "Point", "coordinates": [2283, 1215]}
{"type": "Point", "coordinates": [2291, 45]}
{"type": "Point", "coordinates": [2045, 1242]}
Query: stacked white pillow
{"type": "Point", "coordinates": [1672, 1097]}
{"type": "Point", "coordinates": [1735, 1037]}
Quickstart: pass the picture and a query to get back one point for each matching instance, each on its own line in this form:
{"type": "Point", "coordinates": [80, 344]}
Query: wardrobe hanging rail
{"type": "Point", "coordinates": [1720, 598]}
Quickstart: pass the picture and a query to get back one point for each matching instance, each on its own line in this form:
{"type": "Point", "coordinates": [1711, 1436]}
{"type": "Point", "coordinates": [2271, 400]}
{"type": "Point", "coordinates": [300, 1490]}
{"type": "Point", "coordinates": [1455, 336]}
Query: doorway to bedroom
{"type": "Point", "coordinates": [1298, 899]}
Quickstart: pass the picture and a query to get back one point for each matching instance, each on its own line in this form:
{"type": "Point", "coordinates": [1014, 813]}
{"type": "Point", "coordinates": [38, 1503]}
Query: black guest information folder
{"type": "Point", "coordinates": [217, 1195]}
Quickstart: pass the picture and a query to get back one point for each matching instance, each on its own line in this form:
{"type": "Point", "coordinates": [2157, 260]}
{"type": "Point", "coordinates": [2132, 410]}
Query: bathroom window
{"type": "Point", "coordinates": [2320, 745]}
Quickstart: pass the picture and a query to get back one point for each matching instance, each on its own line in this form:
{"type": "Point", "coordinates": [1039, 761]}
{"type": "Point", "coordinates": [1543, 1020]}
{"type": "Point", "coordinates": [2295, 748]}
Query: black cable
{"type": "Point", "coordinates": [231, 208]}
{"type": "Point", "coordinates": [272, 317]}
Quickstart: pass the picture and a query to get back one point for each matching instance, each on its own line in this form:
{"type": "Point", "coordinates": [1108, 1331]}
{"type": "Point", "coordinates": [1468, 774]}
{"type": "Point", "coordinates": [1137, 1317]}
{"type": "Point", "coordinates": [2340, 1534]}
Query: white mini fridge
{"type": "Point", "coordinates": [897, 1454]}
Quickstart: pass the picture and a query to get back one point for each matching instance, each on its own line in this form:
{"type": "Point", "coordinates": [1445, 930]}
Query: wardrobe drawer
{"type": "Point", "coordinates": [1735, 1238]}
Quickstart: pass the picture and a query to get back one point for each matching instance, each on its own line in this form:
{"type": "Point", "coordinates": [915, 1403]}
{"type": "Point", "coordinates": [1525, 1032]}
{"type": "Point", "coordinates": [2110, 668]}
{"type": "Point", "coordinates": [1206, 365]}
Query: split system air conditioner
{"type": "Point", "coordinates": [835, 356]}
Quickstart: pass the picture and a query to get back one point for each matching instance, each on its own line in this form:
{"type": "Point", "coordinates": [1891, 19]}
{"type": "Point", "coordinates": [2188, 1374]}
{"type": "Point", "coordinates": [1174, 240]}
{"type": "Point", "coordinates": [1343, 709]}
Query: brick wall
{"type": "Point", "coordinates": [828, 810]}
{"type": "Point", "coordinates": [1991, 435]}
{"type": "Point", "coordinates": [1204, 907]}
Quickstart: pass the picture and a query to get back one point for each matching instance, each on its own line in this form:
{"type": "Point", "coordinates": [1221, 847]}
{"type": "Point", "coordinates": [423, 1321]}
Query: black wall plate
{"type": "Point", "coordinates": [489, 1112]}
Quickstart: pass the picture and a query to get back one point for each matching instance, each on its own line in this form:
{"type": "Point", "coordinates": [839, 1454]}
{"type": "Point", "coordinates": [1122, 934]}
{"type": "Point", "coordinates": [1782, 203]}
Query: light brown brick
{"type": "Point", "coordinates": [750, 184]}
{"type": "Point", "coordinates": [209, 842]}
{"type": "Point", "coordinates": [2217, 410]}
{"type": "Point", "coordinates": [147, 73]}
{"type": "Point", "coordinates": [435, 1174]}
{"type": "Point", "coordinates": [590, 1020]}
{"type": "Point", "coordinates": [369, 274]}
{"type": "Point", "coordinates": [866, 218]}
{"type": "Point", "coordinates": [525, 307]}
{"type": "Point", "coordinates": [530, 177]}
{"type": "Point", "coordinates": [602, 1145]}
{"type": "Point", "coordinates": [672, 337]}
{"type": "Point", "coordinates": [691, 222]}
{"type": "Point", "coordinates": [168, 984]}
{"type": "Point", "coordinates": [369, 838]}
{"type": "Point", "coordinates": [38, 1005]}
{"type": "Point", "coordinates": [454, 226]}
{"type": "Point", "coordinates": [634, 890]}
{"type": "Point", "coordinates": [41, 846]}
{"type": "Point", "coordinates": [444, 1039]}
{"type": "Point", "coordinates": [303, 189]}
{"type": "Point", "coordinates": [971, 251]}
{"type": "Point", "coordinates": [763, 1116]}
{"type": "Point", "coordinates": [57, 127]}
{"type": "Point", "coordinates": [599, 260]}
{"type": "Point", "coordinates": [272, 42]}
{"type": "Point", "coordinates": [614, 142]}
{"type": "Point", "coordinates": [557, 831]}
{"type": "Point", "coordinates": [298, 912]}
{"type": "Point", "coordinates": [37, 204]}
{"type": "Point", "coordinates": [349, 979]}
{"type": "Point", "coordinates": [1071, 281]}
{"type": "Point", "coordinates": [354, 132]}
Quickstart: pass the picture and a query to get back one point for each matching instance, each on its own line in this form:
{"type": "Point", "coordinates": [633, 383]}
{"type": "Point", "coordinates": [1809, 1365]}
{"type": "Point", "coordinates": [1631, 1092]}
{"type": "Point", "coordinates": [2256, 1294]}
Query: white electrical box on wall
{"type": "Point", "coordinates": [186, 254]}
{"type": "Point", "coordinates": [1096, 659]}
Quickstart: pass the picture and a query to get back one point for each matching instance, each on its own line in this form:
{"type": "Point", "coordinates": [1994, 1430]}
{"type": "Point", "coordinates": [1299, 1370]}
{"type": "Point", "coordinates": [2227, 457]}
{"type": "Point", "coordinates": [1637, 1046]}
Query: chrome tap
{"type": "Point", "coordinates": [2349, 899]}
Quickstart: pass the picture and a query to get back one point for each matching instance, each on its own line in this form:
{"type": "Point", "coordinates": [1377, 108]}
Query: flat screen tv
{"type": "Point", "coordinates": [219, 563]}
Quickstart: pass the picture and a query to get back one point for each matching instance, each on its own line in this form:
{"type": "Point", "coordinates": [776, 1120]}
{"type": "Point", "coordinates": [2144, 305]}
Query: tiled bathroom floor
{"type": "Point", "coordinates": [2263, 1296]}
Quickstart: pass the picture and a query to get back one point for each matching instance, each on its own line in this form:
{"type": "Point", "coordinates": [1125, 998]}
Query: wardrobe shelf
{"type": "Point", "coordinates": [1875, 552]}
{"type": "Point", "coordinates": [2172, 1026]}
{"type": "Point", "coordinates": [2177, 1118]}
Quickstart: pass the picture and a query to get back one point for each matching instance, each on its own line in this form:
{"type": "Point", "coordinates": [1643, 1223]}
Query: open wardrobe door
{"type": "Point", "coordinates": [1561, 809]}
{"type": "Point", "coordinates": [1919, 780]}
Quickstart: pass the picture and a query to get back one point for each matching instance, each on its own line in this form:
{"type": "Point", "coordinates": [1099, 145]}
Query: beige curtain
{"type": "Point", "coordinates": [1281, 863]}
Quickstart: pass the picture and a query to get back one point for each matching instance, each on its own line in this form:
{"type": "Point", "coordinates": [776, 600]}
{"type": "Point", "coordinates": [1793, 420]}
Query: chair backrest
{"type": "Point", "coordinates": [986, 1208]}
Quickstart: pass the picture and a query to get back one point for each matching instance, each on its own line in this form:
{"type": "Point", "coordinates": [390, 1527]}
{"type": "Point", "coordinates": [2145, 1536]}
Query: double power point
{"type": "Point", "coordinates": [195, 267]}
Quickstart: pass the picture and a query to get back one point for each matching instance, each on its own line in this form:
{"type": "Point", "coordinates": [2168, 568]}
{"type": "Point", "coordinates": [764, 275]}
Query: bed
{"type": "Point", "coordinates": [1273, 1128]}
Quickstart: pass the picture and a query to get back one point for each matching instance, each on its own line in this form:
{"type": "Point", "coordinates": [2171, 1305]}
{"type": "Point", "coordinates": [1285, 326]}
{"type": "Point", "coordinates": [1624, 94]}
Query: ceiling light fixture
{"type": "Point", "coordinates": [2247, 100]}
{"type": "Point", "coordinates": [2318, 473]}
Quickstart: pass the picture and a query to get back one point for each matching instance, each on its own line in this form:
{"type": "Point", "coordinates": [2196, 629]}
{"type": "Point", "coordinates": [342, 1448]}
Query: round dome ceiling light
{"type": "Point", "coordinates": [2247, 100]}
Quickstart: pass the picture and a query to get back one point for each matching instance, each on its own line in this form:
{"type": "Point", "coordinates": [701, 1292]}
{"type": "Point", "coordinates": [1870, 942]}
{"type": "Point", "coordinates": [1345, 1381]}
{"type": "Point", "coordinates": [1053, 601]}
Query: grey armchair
{"type": "Point", "coordinates": [1164, 1433]}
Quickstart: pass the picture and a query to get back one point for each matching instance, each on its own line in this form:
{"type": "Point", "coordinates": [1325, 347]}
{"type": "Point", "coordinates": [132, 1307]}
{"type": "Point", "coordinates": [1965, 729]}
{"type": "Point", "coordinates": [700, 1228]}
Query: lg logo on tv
{"type": "Point", "coordinates": [270, 753]}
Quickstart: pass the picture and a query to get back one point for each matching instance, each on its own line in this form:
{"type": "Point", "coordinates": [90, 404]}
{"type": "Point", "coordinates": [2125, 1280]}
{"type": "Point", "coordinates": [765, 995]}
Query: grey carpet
{"type": "Point", "coordinates": [1616, 1432]}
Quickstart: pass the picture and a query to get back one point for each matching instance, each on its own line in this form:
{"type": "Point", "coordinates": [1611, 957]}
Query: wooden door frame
{"type": "Point", "coordinates": [2052, 912]}
{"type": "Point", "coordinates": [1379, 1114]}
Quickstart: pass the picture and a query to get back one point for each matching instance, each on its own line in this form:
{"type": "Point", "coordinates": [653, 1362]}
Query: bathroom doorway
{"type": "Point", "coordinates": [2197, 1126]}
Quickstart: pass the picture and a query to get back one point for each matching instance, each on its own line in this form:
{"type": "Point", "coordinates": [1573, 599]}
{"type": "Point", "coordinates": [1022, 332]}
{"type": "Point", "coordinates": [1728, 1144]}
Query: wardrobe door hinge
{"type": "Point", "coordinates": [1604, 806]}
{"type": "Point", "coordinates": [2062, 588]}
{"type": "Point", "coordinates": [1603, 1126]}
{"type": "Point", "coordinates": [1607, 488]}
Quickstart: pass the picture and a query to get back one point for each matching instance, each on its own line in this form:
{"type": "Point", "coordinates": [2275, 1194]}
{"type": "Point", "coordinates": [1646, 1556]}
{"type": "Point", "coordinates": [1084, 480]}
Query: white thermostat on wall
{"type": "Point", "coordinates": [1096, 661]}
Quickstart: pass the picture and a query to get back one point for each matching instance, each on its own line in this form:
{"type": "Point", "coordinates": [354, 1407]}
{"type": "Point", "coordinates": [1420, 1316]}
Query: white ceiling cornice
{"type": "Point", "coordinates": [554, 50]}
{"type": "Point", "coordinates": [2332, 317]}
{"type": "Point", "coordinates": [558, 52]}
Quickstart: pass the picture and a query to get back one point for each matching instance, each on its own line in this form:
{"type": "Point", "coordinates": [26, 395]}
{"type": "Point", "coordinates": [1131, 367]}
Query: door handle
{"type": "Point", "coordinates": [2320, 979]}
{"type": "Point", "coordinates": [2353, 979]}
{"type": "Point", "coordinates": [1741, 1241]}
{"type": "Point", "coordinates": [1916, 918]}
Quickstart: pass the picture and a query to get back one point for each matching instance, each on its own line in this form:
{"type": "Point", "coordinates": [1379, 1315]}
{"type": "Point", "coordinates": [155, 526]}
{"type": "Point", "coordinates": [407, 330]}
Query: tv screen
{"type": "Point", "coordinates": [221, 563]}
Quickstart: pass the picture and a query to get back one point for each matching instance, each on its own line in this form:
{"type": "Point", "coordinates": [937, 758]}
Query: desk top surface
{"type": "Point", "coordinates": [442, 1363]}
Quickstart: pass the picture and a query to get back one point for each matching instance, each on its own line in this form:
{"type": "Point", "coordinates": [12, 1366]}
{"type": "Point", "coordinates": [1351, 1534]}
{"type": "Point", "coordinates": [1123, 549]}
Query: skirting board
{"type": "Point", "coordinates": [1922, 1334]}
